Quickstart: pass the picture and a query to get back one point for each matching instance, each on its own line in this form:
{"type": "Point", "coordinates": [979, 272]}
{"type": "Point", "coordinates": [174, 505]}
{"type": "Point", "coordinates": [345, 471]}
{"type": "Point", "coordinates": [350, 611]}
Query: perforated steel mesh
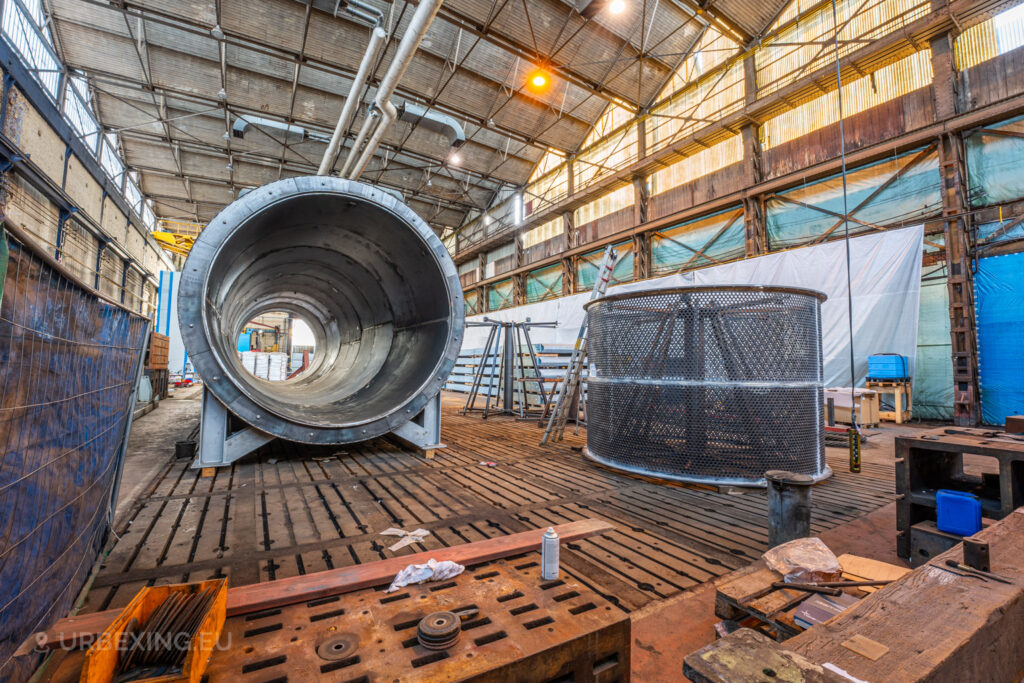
{"type": "Point", "coordinates": [704, 384]}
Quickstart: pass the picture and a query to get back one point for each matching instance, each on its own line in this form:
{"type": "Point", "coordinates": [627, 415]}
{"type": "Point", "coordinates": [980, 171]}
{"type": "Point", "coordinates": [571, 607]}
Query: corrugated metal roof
{"type": "Point", "coordinates": [156, 72]}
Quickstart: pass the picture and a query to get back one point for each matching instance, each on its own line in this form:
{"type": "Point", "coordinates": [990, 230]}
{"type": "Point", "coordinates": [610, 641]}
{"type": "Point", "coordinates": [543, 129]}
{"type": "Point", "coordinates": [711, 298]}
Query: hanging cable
{"type": "Point", "coordinates": [854, 431]}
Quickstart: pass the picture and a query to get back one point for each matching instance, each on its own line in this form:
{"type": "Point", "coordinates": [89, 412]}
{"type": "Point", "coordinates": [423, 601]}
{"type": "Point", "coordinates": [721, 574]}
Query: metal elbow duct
{"type": "Point", "coordinates": [372, 280]}
{"type": "Point", "coordinates": [433, 120]}
{"type": "Point", "coordinates": [287, 132]}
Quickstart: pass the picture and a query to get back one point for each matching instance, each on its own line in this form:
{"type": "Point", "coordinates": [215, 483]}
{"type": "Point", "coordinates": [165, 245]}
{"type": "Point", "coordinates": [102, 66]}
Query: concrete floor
{"type": "Point", "coordinates": [151, 445]}
{"type": "Point", "coordinates": [664, 631]}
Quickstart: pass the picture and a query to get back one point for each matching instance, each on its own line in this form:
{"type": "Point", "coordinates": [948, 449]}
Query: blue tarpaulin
{"type": "Point", "coordinates": [69, 362]}
{"type": "Point", "coordinates": [999, 307]}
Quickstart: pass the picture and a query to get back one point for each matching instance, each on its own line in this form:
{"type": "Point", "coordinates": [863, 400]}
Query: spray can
{"type": "Point", "coordinates": [549, 555]}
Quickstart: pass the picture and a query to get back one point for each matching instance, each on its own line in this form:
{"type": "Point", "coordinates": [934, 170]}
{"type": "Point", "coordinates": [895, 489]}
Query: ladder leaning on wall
{"type": "Point", "coordinates": [570, 384]}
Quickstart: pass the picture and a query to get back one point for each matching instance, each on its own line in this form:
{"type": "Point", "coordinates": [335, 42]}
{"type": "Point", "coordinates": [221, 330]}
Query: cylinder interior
{"type": "Point", "coordinates": [365, 282]}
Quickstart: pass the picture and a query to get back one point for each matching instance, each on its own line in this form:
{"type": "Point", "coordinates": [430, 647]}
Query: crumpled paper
{"type": "Point", "coordinates": [408, 537]}
{"type": "Point", "coordinates": [421, 573]}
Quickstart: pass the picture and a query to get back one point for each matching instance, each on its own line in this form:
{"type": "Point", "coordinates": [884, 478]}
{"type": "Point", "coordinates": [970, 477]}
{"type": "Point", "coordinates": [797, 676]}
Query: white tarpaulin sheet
{"type": "Point", "coordinates": [885, 270]}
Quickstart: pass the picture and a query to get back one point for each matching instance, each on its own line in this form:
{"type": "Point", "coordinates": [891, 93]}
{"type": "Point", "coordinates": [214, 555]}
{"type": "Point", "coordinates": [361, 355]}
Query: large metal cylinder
{"type": "Point", "coordinates": [377, 287]}
{"type": "Point", "coordinates": [707, 384]}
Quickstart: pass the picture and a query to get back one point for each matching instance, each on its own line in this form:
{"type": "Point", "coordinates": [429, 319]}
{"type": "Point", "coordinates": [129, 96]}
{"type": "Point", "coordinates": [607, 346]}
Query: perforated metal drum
{"type": "Point", "coordinates": [707, 384]}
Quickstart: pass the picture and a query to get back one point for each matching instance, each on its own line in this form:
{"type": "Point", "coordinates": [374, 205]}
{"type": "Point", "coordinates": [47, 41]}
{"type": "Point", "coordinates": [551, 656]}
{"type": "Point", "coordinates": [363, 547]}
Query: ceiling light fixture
{"type": "Point", "coordinates": [617, 6]}
{"type": "Point", "coordinates": [538, 80]}
{"type": "Point", "coordinates": [217, 32]}
{"type": "Point", "coordinates": [455, 158]}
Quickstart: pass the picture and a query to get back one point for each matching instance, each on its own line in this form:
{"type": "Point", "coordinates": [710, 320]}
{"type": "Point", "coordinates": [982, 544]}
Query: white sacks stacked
{"type": "Point", "coordinates": [262, 365]}
{"type": "Point", "coordinates": [277, 370]}
{"type": "Point", "coordinates": [269, 366]}
{"type": "Point", "coordinates": [249, 361]}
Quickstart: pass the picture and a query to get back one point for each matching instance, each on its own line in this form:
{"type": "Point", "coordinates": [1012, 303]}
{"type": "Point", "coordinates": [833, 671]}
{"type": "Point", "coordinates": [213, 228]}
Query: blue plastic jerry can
{"type": "Point", "coordinates": [958, 512]}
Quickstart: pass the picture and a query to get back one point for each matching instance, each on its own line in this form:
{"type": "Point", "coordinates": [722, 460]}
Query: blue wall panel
{"type": "Point", "coordinates": [999, 306]}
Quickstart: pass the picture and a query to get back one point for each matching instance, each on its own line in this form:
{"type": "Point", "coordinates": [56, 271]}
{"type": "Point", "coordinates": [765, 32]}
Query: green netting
{"type": "Point", "coordinates": [933, 371]}
{"type": "Point", "coordinates": [915, 193]}
{"type": "Point", "coordinates": [472, 301]}
{"type": "Point", "coordinates": [499, 295]}
{"type": "Point", "coordinates": [588, 265]}
{"type": "Point", "coordinates": [1000, 231]}
{"type": "Point", "coordinates": [700, 242]}
{"type": "Point", "coordinates": [993, 163]}
{"type": "Point", "coordinates": [544, 283]}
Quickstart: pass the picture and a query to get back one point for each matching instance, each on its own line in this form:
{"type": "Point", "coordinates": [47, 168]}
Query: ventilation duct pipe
{"type": "Point", "coordinates": [375, 284]}
{"type": "Point", "coordinates": [377, 38]}
{"type": "Point", "coordinates": [434, 121]}
{"type": "Point", "coordinates": [414, 34]}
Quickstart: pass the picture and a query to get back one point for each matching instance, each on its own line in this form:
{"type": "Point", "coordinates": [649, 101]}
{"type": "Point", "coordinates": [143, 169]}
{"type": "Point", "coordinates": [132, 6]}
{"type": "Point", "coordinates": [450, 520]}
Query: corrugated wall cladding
{"type": "Point", "coordinates": [500, 260]}
{"type": "Point", "coordinates": [606, 225]}
{"type": "Point", "coordinates": [867, 128]}
{"type": "Point", "coordinates": [806, 45]}
{"type": "Point", "coordinates": [546, 190]}
{"type": "Point", "coordinates": [545, 249]}
{"type": "Point", "coordinates": [711, 98]}
{"type": "Point", "coordinates": [68, 364]}
{"type": "Point", "coordinates": [705, 188]}
{"type": "Point", "coordinates": [610, 203]}
{"type": "Point", "coordinates": [543, 232]}
{"type": "Point", "coordinates": [989, 39]}
{"type": "Point", "coordinates": [992, 80]}
{"type": "Point", "coordinates": [888, 83]}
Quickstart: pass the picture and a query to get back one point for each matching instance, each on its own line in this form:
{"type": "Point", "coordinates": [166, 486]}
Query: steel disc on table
{"type": "Point", "coordinates": [338, 647]}
{"type": "Point", "coordinates": [439, 630]}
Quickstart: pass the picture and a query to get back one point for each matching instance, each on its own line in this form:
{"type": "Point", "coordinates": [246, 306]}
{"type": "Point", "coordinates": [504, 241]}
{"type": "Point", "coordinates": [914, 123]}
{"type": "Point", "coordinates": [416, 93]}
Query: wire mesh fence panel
{"type": "Point", "coordinates": [68, 365]}
{"type": "Point", "coordinates": [706, 384]}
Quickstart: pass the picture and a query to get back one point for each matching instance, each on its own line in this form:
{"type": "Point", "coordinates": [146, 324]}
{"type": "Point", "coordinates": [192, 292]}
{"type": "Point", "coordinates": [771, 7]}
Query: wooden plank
{"type": "Point", "coordinates": [257, 597]}
{"type": "Point", "coordinates": [982, 623]}
{"type": "Point", "coordinates": [865, 569]}
{"type": "Point", "coordinates": [746, 655]}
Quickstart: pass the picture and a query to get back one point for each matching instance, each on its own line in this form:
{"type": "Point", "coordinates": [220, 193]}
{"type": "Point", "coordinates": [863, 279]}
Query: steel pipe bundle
{"type": "Point", "coordinates": [707, 384]}
{"type": "Point", "coordinates": [375, 284]}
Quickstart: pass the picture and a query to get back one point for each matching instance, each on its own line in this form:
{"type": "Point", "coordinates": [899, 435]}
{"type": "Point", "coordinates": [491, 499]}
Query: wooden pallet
{"type": "Point", "coordinates": [294, 509]}
{"type": "Point", "coordinates": [902, 399]}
